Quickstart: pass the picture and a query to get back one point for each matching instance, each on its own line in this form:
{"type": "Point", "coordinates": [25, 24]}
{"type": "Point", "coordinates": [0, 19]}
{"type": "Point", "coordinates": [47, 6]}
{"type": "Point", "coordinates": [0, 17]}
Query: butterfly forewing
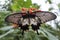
{"type": "Point", "coordinates": [45, 16]}
{"type": "Point", "coordinates": [14, 18]}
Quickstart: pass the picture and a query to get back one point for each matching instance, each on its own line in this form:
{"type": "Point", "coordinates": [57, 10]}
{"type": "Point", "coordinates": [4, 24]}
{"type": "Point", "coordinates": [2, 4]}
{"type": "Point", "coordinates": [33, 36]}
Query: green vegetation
{"type": "Point", "coordinates": [7, 33]}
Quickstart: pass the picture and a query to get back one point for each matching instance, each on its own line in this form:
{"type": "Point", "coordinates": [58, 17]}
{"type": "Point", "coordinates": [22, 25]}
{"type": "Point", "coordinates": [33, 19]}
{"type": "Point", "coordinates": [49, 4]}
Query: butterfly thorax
{"type": "Point", "coordinates": [28, 15]}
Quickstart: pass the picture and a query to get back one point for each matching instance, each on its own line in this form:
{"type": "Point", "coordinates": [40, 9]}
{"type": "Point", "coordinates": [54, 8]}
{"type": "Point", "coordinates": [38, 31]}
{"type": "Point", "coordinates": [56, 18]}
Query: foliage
{"type": "Point", "coordinates": [2, 18]}
{"type": "Point", "coordinates": [7, 33]}
{"type": "Point", "coordinates": [59, 5]}
{"type": "Point", "coordinates": [49, 1]}
{"type": "Point", "coordinates": [18, 4]}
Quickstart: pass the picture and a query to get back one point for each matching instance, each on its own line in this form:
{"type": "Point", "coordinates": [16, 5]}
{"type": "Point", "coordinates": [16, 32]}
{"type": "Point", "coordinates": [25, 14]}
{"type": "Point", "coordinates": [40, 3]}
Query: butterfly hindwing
{"type": "Point", "coordinates": [45, 16]}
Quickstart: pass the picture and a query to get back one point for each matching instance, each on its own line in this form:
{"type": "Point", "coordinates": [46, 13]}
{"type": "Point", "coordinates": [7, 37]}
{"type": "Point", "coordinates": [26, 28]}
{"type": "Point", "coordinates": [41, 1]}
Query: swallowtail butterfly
{"type": "Point", "coordinates": [31, 17]}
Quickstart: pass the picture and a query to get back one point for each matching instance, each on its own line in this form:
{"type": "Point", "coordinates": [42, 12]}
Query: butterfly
{"type": "Point", "coordinates": [31, 17]}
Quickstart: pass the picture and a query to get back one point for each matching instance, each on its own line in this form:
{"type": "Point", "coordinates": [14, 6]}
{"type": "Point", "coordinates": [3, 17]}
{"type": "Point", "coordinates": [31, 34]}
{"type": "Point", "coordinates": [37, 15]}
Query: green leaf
{"type": "Point", "coordinates": [59, 5]}
{"type": "Point", "coordinates": [50, 9]}
{"type": "Point", "coordinates": [27, 3]}
{"type": "Point", "coordinates": [35, 6]}
{"type": "Point", "coordinates": [49, 1]}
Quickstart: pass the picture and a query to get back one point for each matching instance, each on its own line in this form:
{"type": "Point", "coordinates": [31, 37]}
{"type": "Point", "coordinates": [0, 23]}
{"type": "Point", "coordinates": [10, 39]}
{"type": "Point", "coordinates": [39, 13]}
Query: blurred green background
{"type": "Point", "coordinates": [46, 31]}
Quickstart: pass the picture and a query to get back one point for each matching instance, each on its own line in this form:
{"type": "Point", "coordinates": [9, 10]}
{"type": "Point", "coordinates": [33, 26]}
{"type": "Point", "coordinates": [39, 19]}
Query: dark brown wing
{"type": "Point", "coordinates": [13, 18]}
{"type": "Point", "coordinates": [45, 16]}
